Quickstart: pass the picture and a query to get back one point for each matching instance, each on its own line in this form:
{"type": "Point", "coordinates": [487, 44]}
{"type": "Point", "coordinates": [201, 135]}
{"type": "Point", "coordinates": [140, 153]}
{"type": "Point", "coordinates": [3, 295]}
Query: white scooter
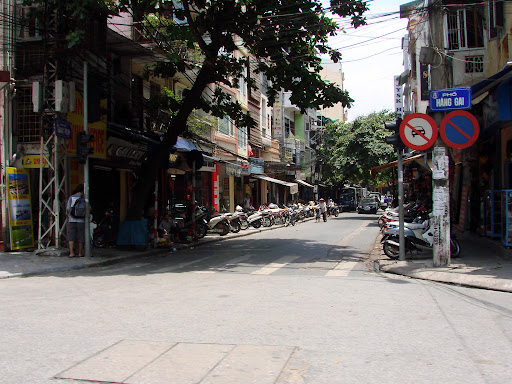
{"type": "Point", "coordinates": [418, 237]}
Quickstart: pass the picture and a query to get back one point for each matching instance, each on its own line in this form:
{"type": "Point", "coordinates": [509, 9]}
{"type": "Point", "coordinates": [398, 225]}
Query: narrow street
{"type": "Point", "coordinates": [290, 305]}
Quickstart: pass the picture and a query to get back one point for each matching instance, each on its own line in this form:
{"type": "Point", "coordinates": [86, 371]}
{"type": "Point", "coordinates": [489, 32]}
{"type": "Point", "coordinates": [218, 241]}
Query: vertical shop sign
{"type": "Point", "coordinates": [424, 81]}
{"type": "Point", "coordinates": [399, 104]}
{"type": "Point", "coordinates": [20, 211]}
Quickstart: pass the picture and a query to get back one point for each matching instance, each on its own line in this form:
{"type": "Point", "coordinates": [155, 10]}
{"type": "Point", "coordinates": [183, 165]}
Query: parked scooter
{"type": "Point", "coordinates": [105, 233]}
{"type": "Point", "coordinates": [254, 218]}
{"type": "Point", "coordinates": [218, 223]}
{"type": "Point", "coordinates": [418, 237]}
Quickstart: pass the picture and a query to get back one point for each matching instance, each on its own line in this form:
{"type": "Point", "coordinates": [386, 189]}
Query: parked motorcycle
{"type": "Point", "coordinates": [105, 233]}
{"type": "Point", "coordinates": [418, 237]}
{"type": "Point", "coordinates": [218, 223]}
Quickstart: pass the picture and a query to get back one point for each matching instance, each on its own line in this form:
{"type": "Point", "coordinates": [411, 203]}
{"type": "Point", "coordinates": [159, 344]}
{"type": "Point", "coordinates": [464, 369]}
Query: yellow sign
{"type": "Point", "coordinates": [20, 208]}
{"type": "Point", "coordinates": [98, 129]}
{"type": "Point", "coordinates": [34, 161]}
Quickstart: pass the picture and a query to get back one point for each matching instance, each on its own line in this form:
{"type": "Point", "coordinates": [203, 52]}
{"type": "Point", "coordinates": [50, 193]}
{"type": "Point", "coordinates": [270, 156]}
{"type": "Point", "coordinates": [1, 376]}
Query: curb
{"type": "Point", "coordinates": [494, 284]}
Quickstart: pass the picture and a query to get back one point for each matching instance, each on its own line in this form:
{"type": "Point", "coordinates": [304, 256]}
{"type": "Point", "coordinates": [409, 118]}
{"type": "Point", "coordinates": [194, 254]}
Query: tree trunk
{"type": "Point", "coordinates": [148, 172]}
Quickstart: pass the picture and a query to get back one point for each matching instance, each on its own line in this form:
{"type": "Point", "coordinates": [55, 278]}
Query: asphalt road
{"type": "Point", "coordinates": [291, 305]}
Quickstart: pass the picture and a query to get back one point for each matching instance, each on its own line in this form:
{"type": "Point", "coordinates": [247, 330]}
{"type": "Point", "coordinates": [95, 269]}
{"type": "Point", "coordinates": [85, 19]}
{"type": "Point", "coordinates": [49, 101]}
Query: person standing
{"type": "Point", "coordinates": [76, 221]}
{"type": "Point", "coordinates": [322, 205]}
{"type": "Point", "coordinates": [247, 202]}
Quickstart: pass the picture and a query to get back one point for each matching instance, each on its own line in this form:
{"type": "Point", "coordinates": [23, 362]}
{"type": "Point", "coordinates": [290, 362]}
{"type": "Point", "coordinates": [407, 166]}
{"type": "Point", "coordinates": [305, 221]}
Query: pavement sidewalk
{"type": "Point", "coordinates": [484, 262]}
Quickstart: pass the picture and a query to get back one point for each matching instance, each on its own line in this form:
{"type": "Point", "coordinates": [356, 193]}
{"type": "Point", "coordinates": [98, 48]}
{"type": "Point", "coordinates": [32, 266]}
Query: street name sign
{"type": "Point", "coordinates": [459, 129]}
{"type": "Point", "coordinates": [450, 99]}
{"type": "Point", "coordinates": [418, 131]}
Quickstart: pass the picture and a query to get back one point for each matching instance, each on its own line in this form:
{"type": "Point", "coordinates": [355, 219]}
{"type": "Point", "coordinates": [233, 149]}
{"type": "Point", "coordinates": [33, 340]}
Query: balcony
{"type": "Point", "coordinates": [287, 104]}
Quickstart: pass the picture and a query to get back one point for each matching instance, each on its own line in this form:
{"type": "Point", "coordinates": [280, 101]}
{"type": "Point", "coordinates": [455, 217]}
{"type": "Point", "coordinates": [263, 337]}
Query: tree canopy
{"type": "Point", "coordinates": [350, 150]}
{"type": "Point", "coordinates": [286, 38]}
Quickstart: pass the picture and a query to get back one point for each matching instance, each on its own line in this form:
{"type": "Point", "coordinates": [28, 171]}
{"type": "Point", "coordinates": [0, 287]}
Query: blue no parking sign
{"type": "Point", "coordinates": [459, 129]}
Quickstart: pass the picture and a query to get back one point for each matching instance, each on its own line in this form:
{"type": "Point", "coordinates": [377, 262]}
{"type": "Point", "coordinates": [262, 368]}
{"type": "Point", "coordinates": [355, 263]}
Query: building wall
{"type": "Point", "coordinates": [333, 73]}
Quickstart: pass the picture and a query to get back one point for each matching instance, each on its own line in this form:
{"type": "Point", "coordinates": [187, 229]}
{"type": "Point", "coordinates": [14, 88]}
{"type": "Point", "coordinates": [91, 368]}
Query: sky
{"type": "Point", "coordinates": [370, 65]}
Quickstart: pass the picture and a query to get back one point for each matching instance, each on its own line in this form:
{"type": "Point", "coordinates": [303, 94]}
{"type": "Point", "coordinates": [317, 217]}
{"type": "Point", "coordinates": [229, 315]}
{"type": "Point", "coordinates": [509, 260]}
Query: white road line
{"type": "Point", "coordinates": [343, 268]}
{"type": "Point", "coordinates": [272, 267]}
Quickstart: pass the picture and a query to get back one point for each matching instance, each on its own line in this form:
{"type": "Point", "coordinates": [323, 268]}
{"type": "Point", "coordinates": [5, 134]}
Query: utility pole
{"type": "Point", "coordinates": [86, 169]}
{"type": "Point", "coordinates": [440, 171]}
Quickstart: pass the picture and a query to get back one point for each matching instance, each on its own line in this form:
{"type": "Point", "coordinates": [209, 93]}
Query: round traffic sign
{"type": "Point", "coordinates": [418, 131]}
{"type": "Point", "coordinates": [459, 129]}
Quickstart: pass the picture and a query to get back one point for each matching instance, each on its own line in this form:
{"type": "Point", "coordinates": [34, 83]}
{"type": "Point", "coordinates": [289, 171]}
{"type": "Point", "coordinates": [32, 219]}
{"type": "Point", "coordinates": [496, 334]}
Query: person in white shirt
{"type": "Point", "coordinates": [323, 208]}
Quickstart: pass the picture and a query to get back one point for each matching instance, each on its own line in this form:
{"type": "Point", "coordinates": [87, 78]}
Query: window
{"type": "Point", "coordinates": [242, 137]}
{"type": "Point", "coordinates": [242, 85]}
{"type": "Point", "coordinates": [28, 123]}
{"type": "Point", "coordinates": [289, 127]}
{"type": "Point", "coordinates": [265, 118]}
{"type": "Point", "coordinates": [474, 64]}
{"type": "Point", "coordinates": [30, 27]}
{"type": "Point", "coordinates": [496, 18]}
{"type": "Point", "coordinates": [154, 89]}
{"type": "Point", "coordinates": [465, 28]}
{"type": "Point", "coordinates": [225, 126]}
{"type": "Point", "coordinates": [263, 84]}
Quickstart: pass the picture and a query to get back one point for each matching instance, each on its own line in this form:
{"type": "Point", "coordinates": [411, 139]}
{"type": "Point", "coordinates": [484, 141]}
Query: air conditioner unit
{"type": "Point", "coordinates": [37, 96]}
{"type": "Point", "coordinates": [64, 96]}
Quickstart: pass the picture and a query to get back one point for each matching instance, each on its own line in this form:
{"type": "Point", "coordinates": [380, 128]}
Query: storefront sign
{"type": "Point", "coordinates": [125, 151]}
{"type": "Point", "coordinates": [244, 165]}
{"type": "Point", "coordinates": [233, 169]}
{"type": "Point", "coordinates": [20, 211]}
{"type": "Point", "coordinates": [34, 161]}
{"type": "Point", "coordinates": [399, 105]}
{"type": "Point", "coordinates": [256, 165]}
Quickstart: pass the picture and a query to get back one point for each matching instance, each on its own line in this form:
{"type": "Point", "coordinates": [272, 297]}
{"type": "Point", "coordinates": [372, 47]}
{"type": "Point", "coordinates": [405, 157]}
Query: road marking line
{"type": "Point", "coordinates": [272, 267]}
{"type": "Point", "coordinates": [343, 268]}
{"type": "Point", "coordinates": [348, 239]}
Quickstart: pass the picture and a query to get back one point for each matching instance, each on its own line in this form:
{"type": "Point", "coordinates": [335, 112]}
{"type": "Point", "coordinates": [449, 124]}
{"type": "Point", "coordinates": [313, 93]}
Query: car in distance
{"type": "Point", "coordinates": [367, 205]}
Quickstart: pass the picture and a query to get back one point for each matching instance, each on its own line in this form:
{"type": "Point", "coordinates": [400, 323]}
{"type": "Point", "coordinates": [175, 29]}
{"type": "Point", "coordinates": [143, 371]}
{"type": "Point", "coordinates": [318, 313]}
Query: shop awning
{"type": "Point", "coordinates": [379, 168]}
{"type": "Point", "coordinates": [294, 187]}
{"type": "Point", "coordinates": [302, 182]}
{"type": "Point", "coordinates": [184, 145]}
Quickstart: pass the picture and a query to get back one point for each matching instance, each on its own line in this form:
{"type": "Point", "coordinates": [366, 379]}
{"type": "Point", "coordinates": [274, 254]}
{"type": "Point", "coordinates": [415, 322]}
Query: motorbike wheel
{"type": "Point", "coordinates": [98, 240]}
{"type": "Point", "coordinates": [244, 224]}
{"type": "Point", "coordinates": [293, 220]}
{"type": "Point", "coordinates": [266, 222]}
{"type": "Point", "coordinates": [224, 227]}
{"type": "Point", "coordinates": [454, 248]}
{"type": "Point", "coordinates": [235, 227]}
{"type": "Point", "coordinates": [391, 251]}
{"type": "Point", "coordinates": [256, 224]}
{"type": "Point", "coordinates": [201, 231]}
{"type": "Point", "coordinates": [381, 222]}
{"type": "Point", "coordinates": [336, 213]}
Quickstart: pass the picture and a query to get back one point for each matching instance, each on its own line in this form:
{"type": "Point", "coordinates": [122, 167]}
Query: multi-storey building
{"type": "Point", "coordinates": [474, 54]}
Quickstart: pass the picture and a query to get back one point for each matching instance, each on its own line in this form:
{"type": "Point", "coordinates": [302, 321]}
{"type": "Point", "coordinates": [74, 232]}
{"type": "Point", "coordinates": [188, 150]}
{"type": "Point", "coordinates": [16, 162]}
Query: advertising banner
{"type": "Point", "coordinates": [98, 129]}
{"type": "Point", "coordinates": [20, 211]}
{"type": "Point", "coordinates": [256, 165]}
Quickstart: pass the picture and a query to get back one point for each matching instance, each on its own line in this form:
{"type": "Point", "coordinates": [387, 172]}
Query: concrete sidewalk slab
{"type": "Point", "coordinates": [484, 263]}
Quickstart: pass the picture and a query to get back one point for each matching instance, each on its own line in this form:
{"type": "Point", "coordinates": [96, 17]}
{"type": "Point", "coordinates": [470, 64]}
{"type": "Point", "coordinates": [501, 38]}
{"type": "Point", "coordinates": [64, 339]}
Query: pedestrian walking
{"type": "Point", "coordinates": [322, 205]}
